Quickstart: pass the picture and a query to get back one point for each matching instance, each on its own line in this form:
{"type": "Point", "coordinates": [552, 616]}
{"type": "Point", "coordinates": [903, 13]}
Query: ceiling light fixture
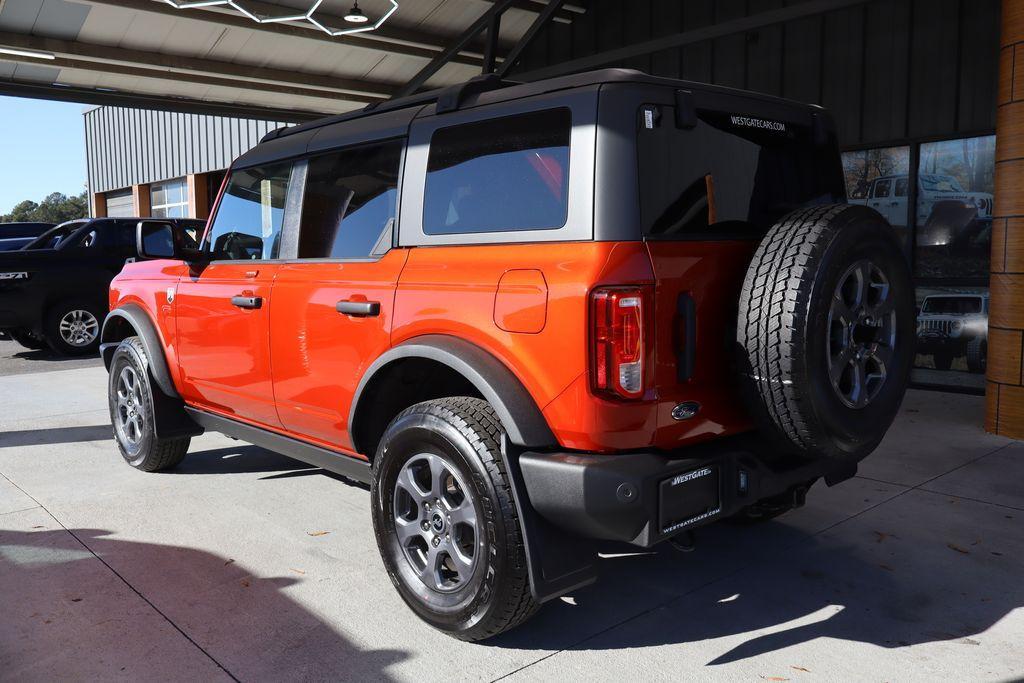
{"type": "Point", "coordinates": [355, 15]}
{"type": "Point", "coordinates": [35, 54]}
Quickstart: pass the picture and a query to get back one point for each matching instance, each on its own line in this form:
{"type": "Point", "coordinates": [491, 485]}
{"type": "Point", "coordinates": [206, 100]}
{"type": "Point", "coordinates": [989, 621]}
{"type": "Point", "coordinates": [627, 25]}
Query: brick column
{"type": "Point", "coordinates": [198, 196]}
{"type": "Point", "coordinates": [99, 205]}
{"type": "Point", "coordinates": [1005, 386]}
{"type": "Point", "coordinates": [140, 201]}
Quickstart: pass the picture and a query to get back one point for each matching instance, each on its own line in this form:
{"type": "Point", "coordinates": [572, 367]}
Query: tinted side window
{"type": "Point", "coordinates": [882, 188]}
{"type": "Point", "coordinates": [349, 201]}
{"type": "Point", "coordinates": [505, 174]}
{"type": "Point", "coordinates": [249, 218]}
{"type": "Point", "coordinates": [901, 187]}
{"type": "Point", "coordinates": [730, 176]}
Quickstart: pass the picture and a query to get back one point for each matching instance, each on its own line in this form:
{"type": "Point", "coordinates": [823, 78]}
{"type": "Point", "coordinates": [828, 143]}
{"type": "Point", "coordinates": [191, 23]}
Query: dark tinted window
{"type": "Point", "coordinates": [882, 188]}
{"type": "Point", "coordinates": [730, 176]}
{"type": "Point", "coordinates": [952, 304]}
{"type": "Point", "coordinates": [349, 201]}
{"type": "Point", "coordinates": [510, 173]}
{"type": "Point", "coordinates": [251, 211]}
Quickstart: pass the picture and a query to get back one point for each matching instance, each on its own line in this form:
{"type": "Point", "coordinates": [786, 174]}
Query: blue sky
{"type": "Point", "coordinates": [42, 149]}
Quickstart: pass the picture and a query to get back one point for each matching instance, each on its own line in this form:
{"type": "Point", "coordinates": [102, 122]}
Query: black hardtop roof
{"type": "Point", "coordinates": [396, 115]}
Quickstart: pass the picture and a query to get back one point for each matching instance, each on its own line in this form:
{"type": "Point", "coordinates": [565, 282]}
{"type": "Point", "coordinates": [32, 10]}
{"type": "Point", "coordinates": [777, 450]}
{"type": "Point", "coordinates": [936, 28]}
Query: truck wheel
{"type": "Point", "coordinates": [826, 332]}
{"type": "Point", "coordinates": [133, 414]}
{"type": "Point", "coordinates": [445, 520]}
{"type": "Point", "coordinates": [27, 339]}
{"type": "Point", "coordinates": [977, 355]}
{"type": "Point", "coordinates": [72, 327]}
{"type": "Point", "coordinates": [943, 360]}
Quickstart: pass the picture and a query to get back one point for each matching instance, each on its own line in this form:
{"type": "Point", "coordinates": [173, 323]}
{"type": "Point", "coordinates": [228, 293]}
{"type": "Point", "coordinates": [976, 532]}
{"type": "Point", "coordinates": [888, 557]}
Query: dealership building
{"type": "Point", "coordinates": [928, 98]}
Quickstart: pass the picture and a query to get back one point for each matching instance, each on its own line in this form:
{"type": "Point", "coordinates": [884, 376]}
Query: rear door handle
{"type": "Point", "coordinates": [362, 309]}
{"type": "Point", "coordinates": [247, 301]}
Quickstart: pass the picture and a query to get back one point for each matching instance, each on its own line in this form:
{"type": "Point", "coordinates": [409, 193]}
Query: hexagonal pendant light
{"type": "Point", "coordinates": [308, 16]}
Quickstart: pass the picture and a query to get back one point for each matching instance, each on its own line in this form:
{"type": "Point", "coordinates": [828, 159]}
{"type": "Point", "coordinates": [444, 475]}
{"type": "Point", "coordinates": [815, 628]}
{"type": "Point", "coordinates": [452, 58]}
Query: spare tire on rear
{"type": "Point", "coordinates": [826, 332]}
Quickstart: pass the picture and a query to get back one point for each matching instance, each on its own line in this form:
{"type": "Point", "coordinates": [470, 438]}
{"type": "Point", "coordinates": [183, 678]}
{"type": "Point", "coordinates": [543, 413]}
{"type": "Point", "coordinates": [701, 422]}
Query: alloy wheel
{"type": "Point", "coordinates": [130, 419]}
{"type": "Point", "coordinates": [436, 522]}
{"type": "Point", "coordinates": [79, 328]}
{"type": "Point", "coordinates": [861, 334]}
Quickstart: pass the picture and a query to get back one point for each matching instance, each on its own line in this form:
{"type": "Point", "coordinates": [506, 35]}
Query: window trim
{"type": "Point", "coordinates": [579, 223]}
{"type": "Point", "coordinates": [293, 257]}
{"type": "Point", "coordinates": [204, 245]}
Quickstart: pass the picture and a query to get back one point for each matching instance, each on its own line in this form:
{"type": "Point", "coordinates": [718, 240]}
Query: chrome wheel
{"type": "Point", "coordinates": [861, 334]}
{"type": "Point", "coordinates": [79, 328]}
{"type": "Point", "coordinates": [436, 522]}
{"type": "Point", "coordinates": [129, 416]}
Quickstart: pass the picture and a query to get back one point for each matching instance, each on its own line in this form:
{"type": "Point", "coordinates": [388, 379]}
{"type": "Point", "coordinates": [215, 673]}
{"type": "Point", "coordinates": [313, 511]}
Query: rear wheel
{"type": "Point", "coordinates": [72, 327]}
{"type": "Point", "coordinates": [977, 355]}
{"type": "Point", "coordinates": [133, 412]}
{"type": "Point", "coordinates": [445, 520]}
{"type": "Point", "coordinates": [825, 332]}
{"type": "Point", "coordinates": [27, 339]}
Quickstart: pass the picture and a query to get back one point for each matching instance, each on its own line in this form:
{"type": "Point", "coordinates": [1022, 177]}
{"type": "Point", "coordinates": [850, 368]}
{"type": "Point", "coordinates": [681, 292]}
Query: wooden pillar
{"type": "Point", "coordinates": [198, 196]}
{"type": "Point", "coordinates": [1005, 386]}
{"type": "Point", "coordinates": [140, 201]}
{"type": "Point", "coordinates": [99, 205]}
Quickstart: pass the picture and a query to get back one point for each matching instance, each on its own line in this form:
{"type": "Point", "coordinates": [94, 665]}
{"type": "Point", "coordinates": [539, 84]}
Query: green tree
{"type": "Point", "coordinates": [56, 207]}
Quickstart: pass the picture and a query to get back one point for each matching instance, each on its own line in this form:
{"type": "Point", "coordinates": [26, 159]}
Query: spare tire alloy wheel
{"type": "Point", "coordinates": [862, 334]}
{"type": "Point", "coordinates": [436, 522]}
{"type": "Point", "coordinates": [78, 328]}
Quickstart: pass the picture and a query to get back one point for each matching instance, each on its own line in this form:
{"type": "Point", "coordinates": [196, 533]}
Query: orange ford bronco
{"type": "Point", "coordinates": [600, 307]}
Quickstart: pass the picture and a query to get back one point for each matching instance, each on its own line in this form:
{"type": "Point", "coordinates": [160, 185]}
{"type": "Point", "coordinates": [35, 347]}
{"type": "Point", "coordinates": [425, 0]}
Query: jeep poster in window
{"type": "Point", "coordinates": [879, 178]}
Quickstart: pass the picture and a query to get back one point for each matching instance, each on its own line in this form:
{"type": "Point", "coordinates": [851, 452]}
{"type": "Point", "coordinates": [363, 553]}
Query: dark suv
{"type": "Point", "coordinates": [53, 290]}
{"type": "Point", "coordinates": [604, 306]}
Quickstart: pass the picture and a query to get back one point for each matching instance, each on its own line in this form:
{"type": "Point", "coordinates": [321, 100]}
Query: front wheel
{"type": "Point", "coordinates": [133, 412]}
{"type": "Point", "coordinates": [977, 355]}
{"type": "Point", "coordinates": [445, 520]}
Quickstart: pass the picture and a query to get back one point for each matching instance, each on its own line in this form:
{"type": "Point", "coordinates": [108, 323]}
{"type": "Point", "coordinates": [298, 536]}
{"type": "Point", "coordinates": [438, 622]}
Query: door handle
{"type": "Point", "coordinates": [247, 301]}
{"type": "Point", "coordinates": [361, 309]}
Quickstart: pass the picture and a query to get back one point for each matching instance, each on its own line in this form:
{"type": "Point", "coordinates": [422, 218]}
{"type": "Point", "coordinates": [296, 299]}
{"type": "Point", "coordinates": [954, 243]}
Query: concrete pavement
{"type": "Point", "coordinates": [242, 564]}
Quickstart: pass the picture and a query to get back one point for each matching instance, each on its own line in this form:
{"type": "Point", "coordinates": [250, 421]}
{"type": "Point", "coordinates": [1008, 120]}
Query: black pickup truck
{"type": "Point", "coordinates": [53, 290]}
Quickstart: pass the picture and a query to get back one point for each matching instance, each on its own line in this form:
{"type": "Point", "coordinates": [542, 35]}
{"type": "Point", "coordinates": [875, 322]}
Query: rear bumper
{"type": "Point", "coordinates": [646, 498]}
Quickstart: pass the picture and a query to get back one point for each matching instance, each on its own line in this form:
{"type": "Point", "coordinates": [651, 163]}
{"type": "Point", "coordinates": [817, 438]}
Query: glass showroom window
{"type": "Point", "coordinates": [951, 260]}
{"type": "Point", "coordinates": [879, 178]}
{"type": "Point", "coordinates": [169, 199]}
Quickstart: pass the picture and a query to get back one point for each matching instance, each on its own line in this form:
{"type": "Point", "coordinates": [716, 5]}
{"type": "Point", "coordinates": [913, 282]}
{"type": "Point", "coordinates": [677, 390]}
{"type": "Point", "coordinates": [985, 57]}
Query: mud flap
{"type": "Point", "coordinates": [559, 562]}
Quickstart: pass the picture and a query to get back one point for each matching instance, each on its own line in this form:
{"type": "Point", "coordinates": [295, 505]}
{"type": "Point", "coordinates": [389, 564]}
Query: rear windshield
{"type": "Point", "coordinates": [731, 176]}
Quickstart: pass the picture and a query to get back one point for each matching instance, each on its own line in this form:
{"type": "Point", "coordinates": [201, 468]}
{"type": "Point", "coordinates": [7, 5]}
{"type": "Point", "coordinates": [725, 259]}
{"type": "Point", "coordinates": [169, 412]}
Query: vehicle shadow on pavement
{"type": "Point", "coordinates": [237, 459]}
{"type": "Point", "coordinates": [69, 614]}
{"type": "Point", "coordinates": [772, 586]}
{"type": "Point", "coordinates": [55, 435]}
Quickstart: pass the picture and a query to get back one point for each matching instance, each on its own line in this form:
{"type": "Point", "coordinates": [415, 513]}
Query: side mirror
{"type": "Point", "coordinates": [157, 240]}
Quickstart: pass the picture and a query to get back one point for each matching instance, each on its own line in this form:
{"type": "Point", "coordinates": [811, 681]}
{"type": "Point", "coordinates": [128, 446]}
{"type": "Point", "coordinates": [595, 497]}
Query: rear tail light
{"type": "Point", "coordinates": [618, 340]}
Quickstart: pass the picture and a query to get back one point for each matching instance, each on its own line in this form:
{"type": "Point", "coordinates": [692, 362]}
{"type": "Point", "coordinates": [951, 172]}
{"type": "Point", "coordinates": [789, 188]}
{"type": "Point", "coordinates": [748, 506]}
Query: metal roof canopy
{"type": "Point", "coordinates": [146, 53]}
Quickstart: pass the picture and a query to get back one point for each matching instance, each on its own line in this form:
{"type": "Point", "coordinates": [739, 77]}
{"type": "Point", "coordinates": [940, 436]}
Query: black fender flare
{"type": "Point", "coordinates": [522, 419]}
{"type": "Point", "coordinates": [139, 320]}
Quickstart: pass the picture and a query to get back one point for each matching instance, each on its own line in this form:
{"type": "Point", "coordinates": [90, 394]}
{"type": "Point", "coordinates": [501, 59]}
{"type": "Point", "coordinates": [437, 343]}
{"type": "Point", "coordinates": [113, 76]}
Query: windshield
{"type": "Point", "coordinates": [941, 183]}
{"type": "Point", "coordinates": [52, 238]}
{"type": "Point", "coordinates": [952, 304]}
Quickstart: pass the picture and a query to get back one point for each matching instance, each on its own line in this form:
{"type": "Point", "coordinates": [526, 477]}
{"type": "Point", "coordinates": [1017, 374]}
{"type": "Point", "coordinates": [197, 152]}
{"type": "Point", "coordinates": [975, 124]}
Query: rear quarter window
{"type": "Point", "coordinates": [499, 175]}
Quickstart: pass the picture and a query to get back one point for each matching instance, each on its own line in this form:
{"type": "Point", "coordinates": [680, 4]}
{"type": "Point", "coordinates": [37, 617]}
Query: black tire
{"type": "Point", "coordinates": [788, 329]}
{"type": "Point", "coordinates": [943, 360]}
{"type": "Point", "coordinates": [136, 438]}
{"type": "Point", "coordinates": [27, 339]}
{"type": "Point", "coordinates": [465, 435]}
{"type": "Point", "coordinates": [74, 311]}
{"type": "Point", "coordinates": [977, 355]}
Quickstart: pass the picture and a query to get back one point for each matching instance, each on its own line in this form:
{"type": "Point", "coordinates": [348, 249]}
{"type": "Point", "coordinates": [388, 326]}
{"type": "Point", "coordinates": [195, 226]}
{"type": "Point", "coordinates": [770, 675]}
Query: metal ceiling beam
{"type": "Point", "coordinates": [196, 70]}
{"type": "Point", "coordinates": [186, 77]}
{"type": "Point", "coordinates": [435, 65]}
{"type": "Point", "coordinates": [531, 33]}
{"type": "Point", "coordinates": [563, 16]}
{"type": "Point", "coordinates": [233, 20]}
{"type": "Point", "coordinates": [38, 91]}
{"type": "Point", "coordinates": [726, 28]}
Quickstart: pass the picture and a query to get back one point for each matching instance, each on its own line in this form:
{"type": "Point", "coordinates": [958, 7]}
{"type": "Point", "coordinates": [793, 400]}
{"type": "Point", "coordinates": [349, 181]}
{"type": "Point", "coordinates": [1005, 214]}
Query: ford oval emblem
{"type": "Point", "coordinates": [685, 410]}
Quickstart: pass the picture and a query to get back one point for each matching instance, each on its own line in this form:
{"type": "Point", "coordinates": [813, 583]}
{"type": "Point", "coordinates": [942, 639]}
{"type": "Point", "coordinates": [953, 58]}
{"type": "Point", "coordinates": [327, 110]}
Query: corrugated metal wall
{"type": "Point", "coordinates": [888, 70]}
{"type": "Point", "coordinates": [126, 147]}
